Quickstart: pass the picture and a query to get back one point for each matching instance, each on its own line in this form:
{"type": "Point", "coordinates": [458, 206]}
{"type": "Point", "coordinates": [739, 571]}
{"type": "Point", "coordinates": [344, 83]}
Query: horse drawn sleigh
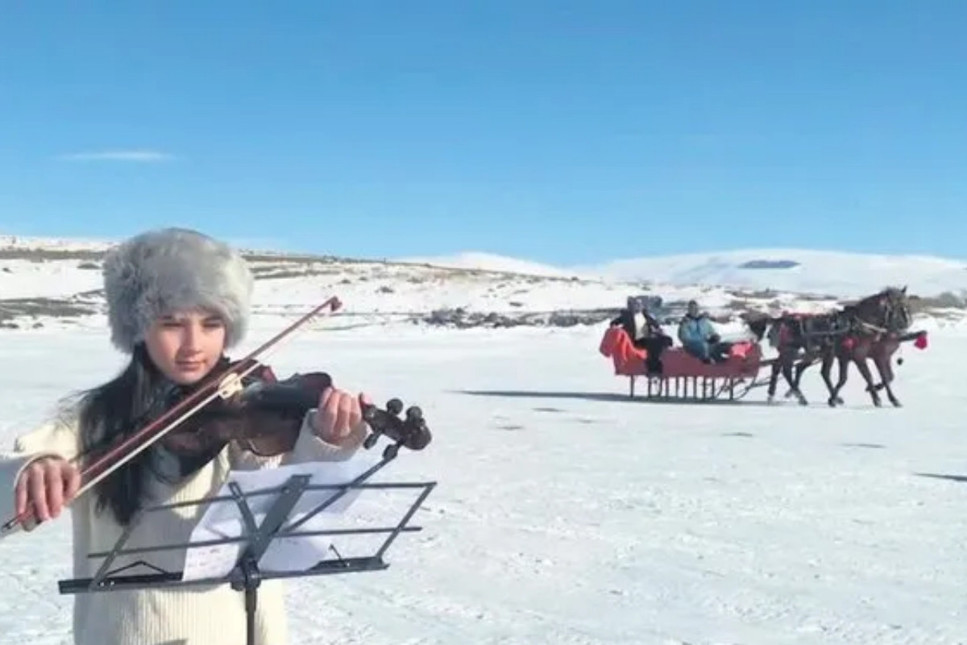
{"type": "Point", "coordinates": [873, 328]}
{"type": "Point", "coordinates": [684, 377]}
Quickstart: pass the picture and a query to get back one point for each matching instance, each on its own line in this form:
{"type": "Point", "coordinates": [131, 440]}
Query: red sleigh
{"type": "Point", "coordinates": [684, 377]}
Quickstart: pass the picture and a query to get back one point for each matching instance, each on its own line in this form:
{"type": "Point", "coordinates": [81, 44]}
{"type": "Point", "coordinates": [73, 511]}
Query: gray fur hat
{"type": "Point", "coordinates": [170, 269]}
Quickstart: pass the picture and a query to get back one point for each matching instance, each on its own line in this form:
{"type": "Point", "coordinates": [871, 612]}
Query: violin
{"type": "Point", "coordinates": [266, 416]}
{"type": "Point", "coordinates": [238, 404]}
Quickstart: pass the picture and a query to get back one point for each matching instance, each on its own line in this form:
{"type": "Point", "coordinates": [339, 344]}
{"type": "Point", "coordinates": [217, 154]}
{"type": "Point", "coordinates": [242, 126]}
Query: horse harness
{"type": "Point", "coordinates": [895, 317]}
{"type": "Point", "coordinates": [812, 331]}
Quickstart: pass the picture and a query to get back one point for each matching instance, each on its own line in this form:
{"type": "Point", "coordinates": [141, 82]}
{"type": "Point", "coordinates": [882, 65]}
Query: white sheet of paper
{"type": "Point", "coordinates": [223, 519]}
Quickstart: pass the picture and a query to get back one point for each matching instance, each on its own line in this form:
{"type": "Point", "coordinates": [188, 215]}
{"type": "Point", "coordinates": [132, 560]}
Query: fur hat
{"type": "Point", "coordinates": [169, 269]}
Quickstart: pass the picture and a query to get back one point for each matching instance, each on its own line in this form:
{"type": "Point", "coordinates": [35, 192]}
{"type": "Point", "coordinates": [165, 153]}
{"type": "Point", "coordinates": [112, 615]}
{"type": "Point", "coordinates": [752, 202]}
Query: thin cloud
{"type": "Point", "coordinates": [132, 156]}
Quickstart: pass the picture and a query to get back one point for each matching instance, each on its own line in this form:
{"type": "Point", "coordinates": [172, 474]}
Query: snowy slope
{"type": "Point", "coordinates": [490, 262]}
{"type": "Point", "coordinates": [804, 271]}
{"type": "Point", "coordinates": [52, 243]}
{"type": "Point", "coordinates": [46, 283]}
{"type": "Point", "coordinates": [63, 278]}
{"type": "Point", "coordinates": [791, 270]}
{"type": "Point", "coordinates": [828, 272]}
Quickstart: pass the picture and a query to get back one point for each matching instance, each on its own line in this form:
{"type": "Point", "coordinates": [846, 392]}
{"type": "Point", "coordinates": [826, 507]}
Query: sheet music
{"type": "Point", "coordinates": [223, 519]}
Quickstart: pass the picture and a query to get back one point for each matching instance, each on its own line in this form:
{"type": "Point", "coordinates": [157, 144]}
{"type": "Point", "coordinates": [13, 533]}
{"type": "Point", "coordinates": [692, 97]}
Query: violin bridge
{"type": "Point", "coordinates": [230, 386]}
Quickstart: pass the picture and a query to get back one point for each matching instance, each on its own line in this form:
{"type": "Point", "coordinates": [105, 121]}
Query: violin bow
{"type": "Point", "coordinates": [225, 385]}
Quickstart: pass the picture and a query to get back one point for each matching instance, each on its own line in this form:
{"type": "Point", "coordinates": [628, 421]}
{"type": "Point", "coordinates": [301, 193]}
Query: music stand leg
{"type": "Point", "coordinates": [249, 583]}
{"type": "Point", "coordinates": [259, 537]}
{"type": "Point", "coordinates": [251, 604]}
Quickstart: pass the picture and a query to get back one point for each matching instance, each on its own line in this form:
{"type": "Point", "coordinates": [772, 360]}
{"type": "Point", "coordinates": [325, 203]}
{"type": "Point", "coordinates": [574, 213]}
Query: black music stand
{"type": "Point", "coordinates": [254, 539]}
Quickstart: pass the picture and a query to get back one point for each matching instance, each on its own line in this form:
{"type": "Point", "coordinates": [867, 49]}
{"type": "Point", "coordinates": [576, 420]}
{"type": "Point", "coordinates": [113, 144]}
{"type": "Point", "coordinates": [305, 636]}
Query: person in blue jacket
{"type": "Point", "coordinates": [698, 336]}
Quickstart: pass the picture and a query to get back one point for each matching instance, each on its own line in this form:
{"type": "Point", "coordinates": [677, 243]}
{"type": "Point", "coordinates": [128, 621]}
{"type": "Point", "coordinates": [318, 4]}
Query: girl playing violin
{"type": "Point", "coordinates": [176, 300]}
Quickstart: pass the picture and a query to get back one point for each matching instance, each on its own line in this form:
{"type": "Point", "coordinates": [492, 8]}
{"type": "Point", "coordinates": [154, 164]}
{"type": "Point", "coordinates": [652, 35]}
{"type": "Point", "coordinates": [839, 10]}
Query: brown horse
{"type": "Point", "coordinates": [871, 328]}
{"type": "Point", "coordinates": [800, 340]}
{"type": "Point", "coordinates": [762, 325]}
{"type": "Point", "coordinates": [820, 340]}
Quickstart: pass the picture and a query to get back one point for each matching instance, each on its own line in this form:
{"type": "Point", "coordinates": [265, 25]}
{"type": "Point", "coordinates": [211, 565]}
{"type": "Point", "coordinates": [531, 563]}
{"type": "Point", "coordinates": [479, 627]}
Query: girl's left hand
{"type": "Point", "coordinates": [338, 415]}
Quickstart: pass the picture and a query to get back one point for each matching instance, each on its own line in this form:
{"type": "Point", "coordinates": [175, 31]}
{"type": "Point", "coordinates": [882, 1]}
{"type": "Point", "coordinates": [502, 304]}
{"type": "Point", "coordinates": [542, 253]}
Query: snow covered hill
{"type": "Point", "coordinates": [832, 273]}
{"type": "Point", "coordinates": [823, 272]}
{"type": "Point", "coordinates": [53, 283]}
{"type": "Point", "coordinates": [491, 262]}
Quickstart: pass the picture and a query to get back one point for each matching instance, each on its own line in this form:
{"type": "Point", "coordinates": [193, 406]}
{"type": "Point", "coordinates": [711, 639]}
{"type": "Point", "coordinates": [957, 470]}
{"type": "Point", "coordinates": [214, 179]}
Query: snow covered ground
{"type": "Point", "coordinates": [566, 513]}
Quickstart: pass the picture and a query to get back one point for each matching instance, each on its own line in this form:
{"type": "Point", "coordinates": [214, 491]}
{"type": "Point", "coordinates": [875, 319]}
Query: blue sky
{"type": "Point", "coordinates": [561, 131]}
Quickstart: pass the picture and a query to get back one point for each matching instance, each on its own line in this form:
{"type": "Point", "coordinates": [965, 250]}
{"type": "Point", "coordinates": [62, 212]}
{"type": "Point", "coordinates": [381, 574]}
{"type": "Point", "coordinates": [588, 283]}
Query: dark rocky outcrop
{"type": "Point", "coordinates": [19, 313]}
{"type": "Point", "coordinates": [769, 264]}
{"type": "Point", "coordinates": [461, 318]}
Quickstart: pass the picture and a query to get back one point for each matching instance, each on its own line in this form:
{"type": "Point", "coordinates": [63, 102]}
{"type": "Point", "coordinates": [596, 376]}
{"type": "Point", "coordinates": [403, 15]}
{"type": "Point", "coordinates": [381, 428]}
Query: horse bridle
{"type": "Point", "coordinates": [891, 311]}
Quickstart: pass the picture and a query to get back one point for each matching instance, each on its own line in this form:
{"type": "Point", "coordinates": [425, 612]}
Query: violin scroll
{"type": "Point", "coordinates": [409, 432]}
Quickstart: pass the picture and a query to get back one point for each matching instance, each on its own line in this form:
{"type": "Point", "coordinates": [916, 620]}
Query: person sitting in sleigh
{"type": "Point", "coordinates": [645, 333]}
{"type": "Point", "coordinates": [699, 338]}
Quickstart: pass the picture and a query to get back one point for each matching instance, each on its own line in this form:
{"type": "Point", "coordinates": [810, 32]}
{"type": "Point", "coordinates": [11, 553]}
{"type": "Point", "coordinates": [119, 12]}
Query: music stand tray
{"type": "Point", "coordinates": [254, 540]}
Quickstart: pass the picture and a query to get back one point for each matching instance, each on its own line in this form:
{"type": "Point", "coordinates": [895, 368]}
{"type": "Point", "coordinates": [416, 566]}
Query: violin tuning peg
{"type": "Point", "coordinates": [394, 406]}
{"type": "Point", "coordinates": [414, 413]}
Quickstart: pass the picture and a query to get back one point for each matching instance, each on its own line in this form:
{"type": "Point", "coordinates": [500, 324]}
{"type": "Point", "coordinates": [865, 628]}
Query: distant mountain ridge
{"type": "Point", "coordinates": [48, 283]}
{"type": "Point", "coordinates": [797, 270]}
{"type": "Point", "coordinates": [834, 273]}
{"type": "Point", "coordinates": [58, 282]}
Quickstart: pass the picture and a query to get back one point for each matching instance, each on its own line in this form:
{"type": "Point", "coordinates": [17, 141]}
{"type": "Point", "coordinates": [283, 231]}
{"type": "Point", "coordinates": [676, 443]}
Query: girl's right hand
{"type": "Point", "coordinates": [45, 487]}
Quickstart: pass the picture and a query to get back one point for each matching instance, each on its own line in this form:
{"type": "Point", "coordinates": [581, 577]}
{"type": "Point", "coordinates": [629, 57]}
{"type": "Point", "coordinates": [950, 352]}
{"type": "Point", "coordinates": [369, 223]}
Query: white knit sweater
{"type": "Point", "coordinates": [187, 616]}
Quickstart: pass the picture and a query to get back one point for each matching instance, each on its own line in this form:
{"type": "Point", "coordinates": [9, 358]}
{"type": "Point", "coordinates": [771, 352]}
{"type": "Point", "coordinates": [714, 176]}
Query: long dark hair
{"type": "Point", "coordinates": [114, 410]}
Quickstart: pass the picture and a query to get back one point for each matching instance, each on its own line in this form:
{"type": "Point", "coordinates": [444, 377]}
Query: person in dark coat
{"type": "Point", "coordinates": [644, 331]}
